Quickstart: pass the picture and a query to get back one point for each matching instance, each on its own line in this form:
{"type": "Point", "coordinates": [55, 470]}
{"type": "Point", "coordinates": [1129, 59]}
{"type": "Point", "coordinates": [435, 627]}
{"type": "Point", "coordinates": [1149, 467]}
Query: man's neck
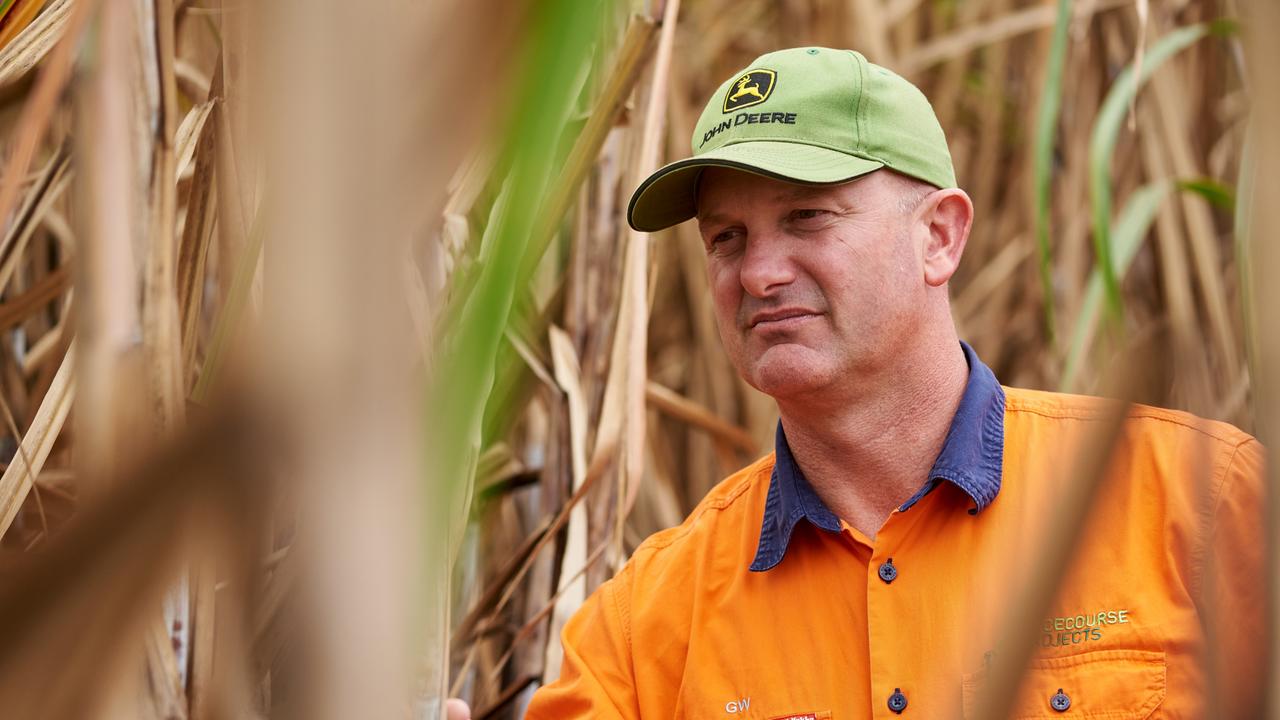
{"type": "Point", "coordinates": [872, 450]}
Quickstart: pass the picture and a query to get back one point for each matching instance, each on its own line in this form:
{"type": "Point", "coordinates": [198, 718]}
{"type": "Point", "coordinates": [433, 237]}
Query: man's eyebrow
{"type": "Point", "coordinates": [710, 218]}
{"type": "Point", "coordinates": [791, 193]}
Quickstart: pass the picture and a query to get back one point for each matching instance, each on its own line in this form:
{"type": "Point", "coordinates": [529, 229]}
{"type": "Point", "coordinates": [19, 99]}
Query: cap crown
{"type": "Point", "coordinates": [833, 99]}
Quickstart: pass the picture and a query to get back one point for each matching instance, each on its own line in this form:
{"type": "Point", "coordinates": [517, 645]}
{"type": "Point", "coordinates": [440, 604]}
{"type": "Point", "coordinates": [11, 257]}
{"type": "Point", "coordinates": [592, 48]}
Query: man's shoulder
{"type": "Point", "coordinates": [1023, 405]}
{"type": "Point", "coordinates": [730, 509]}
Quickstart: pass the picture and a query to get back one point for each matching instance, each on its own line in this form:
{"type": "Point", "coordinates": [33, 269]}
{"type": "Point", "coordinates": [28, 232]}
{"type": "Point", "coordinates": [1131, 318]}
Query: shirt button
{"type": "Point", "coordinates": [1060, 701]}
{"type": "Point", "coordinates": [897, 701]}
{"type": "Point", "coordinates": [888, 572]}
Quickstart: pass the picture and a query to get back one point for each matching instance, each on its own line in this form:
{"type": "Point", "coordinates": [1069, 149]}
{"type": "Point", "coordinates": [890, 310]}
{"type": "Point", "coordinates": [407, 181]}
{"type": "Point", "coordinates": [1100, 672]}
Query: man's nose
{"type": "Point", "coordinates": [767, 264]}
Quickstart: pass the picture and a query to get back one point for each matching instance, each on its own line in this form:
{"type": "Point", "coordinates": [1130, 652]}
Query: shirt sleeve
{"type": "Point", "coordinates": [1233, 594]}
{"type": "Point", "coordinates": [597, 678]}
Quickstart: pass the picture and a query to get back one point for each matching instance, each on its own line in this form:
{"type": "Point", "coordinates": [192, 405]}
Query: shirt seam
{"type": "Point", "coordinates": [1140, 413]}
{"type": "Point", "coordinates": [655, 544]}
{"type": "Point", "coordinates": [624, 617]}
{"type": "Point", "coordinates": [1216, 492]}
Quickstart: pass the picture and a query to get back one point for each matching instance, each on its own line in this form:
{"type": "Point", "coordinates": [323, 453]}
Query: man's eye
{"type": "Point", "coordinates": [724, 236]}
{"type": "Point", "coordinates": [807, 214]}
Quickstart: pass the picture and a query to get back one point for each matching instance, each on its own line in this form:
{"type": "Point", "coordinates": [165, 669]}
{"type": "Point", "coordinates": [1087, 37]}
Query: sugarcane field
{"type": "Point", "coordinates": [639, 359]}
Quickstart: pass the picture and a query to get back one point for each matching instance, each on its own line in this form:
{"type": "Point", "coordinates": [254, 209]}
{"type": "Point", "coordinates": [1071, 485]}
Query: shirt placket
{"type": "Point", "coordinates": [892, 602]}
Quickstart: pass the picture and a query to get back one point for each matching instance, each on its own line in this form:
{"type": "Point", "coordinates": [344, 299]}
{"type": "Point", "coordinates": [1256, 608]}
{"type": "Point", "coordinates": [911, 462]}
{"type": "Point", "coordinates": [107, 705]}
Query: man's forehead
{"type": "Point", "coordinates": [769, 188]}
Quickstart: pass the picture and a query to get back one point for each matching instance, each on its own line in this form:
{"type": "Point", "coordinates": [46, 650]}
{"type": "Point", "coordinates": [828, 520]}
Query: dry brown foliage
{"type": "Point", "coordinates": [235, 233]}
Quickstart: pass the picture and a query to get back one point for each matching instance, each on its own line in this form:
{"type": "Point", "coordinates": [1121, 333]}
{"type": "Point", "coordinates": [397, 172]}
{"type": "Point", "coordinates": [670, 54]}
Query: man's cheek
{"type": "Point", "coordinates": [727, 306]}
{"type": "Point", "coordinates": [733, 339]}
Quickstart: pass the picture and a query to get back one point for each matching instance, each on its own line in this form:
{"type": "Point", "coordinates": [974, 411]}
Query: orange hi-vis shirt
{"type": "Point", "coordinates": [763, 604]}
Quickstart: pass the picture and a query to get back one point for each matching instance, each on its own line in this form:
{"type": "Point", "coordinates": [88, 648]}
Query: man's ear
{"type": "Point", "coordinates": [948, 215]}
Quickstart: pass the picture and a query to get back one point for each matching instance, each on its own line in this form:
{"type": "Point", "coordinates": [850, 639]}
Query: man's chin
{"type": "Point", "coordinates": [789, 372]}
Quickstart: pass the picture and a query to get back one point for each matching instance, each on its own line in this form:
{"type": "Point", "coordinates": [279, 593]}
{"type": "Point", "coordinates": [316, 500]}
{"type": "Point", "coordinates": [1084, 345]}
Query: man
{"type": "Point", "coordinates": [865, 568]}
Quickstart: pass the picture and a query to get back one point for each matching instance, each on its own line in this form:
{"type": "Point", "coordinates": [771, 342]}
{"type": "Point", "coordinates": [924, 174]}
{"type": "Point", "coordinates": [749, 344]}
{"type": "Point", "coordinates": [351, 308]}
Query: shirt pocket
{"type": "Point", "coordinates": [1101, 685]}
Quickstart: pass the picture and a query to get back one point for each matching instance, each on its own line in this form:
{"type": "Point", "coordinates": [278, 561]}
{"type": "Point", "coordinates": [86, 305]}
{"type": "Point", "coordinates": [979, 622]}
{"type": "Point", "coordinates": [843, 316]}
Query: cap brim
{"type": "Point", "coordinates": [669, 196]}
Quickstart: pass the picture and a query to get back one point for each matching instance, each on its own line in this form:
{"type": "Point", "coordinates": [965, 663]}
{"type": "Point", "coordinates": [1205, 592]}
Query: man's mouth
{"type": "Point", "coordinates": [780, 318]}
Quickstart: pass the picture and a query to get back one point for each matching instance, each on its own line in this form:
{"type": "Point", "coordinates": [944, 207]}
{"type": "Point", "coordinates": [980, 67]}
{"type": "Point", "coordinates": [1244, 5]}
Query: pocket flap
{"type": "Point", "coordinates": [1103, 684]}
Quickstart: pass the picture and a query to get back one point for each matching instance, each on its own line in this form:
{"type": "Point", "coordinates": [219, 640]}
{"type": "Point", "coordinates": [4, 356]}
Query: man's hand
{"type": "Point", "coordinates": [455, 709]}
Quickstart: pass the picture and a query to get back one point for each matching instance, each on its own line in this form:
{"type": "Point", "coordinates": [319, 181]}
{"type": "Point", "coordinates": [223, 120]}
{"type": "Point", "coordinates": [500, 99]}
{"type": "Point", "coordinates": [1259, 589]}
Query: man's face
{"type": "Point", "coordinates": [812, 285]}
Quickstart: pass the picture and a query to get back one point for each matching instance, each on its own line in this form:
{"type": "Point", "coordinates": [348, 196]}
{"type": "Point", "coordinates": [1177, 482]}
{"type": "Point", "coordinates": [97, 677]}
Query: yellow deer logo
{"type": "Point", "coordinates": [745, 88]}
{"type": "Point", "coordinates": [753, 88]}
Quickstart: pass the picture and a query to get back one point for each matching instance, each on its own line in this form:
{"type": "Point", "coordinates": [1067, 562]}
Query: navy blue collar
{"type": "Point", "coordinates": [971, 459]}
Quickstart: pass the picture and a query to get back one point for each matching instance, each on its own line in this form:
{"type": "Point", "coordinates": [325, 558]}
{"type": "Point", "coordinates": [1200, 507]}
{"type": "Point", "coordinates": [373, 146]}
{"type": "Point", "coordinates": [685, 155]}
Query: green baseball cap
{"type": "Point", "coordinates": [804, 115]}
